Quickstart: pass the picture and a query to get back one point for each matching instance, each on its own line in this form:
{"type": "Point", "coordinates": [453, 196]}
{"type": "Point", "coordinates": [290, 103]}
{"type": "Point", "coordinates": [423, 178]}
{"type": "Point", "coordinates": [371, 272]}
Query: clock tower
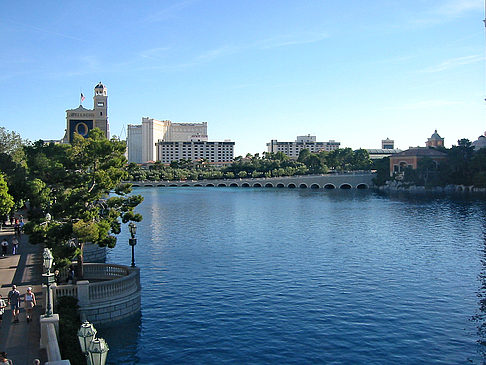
{"type": "Point", "coordinates": [82, 120]}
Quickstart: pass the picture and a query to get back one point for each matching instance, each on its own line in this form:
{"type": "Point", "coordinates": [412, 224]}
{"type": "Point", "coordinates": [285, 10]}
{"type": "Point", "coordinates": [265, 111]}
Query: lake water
{"type": "Point", "coordinates": [277, 276]}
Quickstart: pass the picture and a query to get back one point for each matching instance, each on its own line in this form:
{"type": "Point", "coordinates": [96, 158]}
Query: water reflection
{"type": "Point", "coordinates": [123, 338]}
{"type": "Point", "coordinates": [480, 317]}
{"type": "Point", "coordinates": [297, 276]}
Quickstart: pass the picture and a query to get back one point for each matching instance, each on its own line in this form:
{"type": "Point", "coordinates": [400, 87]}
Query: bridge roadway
{"type": "Point", "coordinates": [352, 180]}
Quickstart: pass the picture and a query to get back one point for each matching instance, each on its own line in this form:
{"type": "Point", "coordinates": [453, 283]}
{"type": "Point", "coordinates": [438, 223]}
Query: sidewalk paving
{"type": "Point", "coordinates": [21, 340]}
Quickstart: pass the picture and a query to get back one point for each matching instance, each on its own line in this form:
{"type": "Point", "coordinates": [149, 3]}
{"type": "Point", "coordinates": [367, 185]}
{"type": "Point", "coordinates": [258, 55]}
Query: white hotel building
{"type": "Point", "coordinates": [164, 141]}
{"type": "Point", "coordinates": [292, 149]}
{"type": "Point", "coordinates": [195, 150]}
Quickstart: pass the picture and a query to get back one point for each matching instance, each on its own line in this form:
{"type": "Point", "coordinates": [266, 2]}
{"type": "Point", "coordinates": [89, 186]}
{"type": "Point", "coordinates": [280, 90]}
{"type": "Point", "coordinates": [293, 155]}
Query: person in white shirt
{"type": "Point", "coordinates": [3, 305]}
{"type": "Point", "coordinates": [4, 245]}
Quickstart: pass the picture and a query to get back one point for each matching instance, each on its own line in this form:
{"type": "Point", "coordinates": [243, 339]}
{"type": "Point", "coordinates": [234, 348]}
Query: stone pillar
{"type": "Point", "coordinates": [83, 293]}
{"type": "Point", "coordinates": [44, 321]}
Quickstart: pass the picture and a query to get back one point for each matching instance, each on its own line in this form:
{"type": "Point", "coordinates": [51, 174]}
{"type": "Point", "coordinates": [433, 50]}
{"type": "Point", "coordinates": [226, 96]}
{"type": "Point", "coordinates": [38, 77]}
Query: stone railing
{"type": "Point", "coordinates": [108, 292]}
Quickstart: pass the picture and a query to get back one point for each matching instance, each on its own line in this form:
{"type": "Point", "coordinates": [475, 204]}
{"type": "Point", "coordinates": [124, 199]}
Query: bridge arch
{"type": "Point", "coordinates": [161, 186]}
{"type": "Point", "coordinates": [303, 186]}
{"type": "Point", "coordinates": [269, 185]}
{"type": "Point", "coordinates": [198, 185]}
{"type": "Point", "coordinates": [235, 185]}
{"type": "Point", "coordinates": [329, 186]}
{"type": "Point", "coordinates": [315, 186]}
{"type": "Point", "coordinates": [291, 186]}
{"type": "Point", "coordinates": [257, 185]}
{"type": "Point", "coordinates": [362, 186]}
{"type": "Point", "coordinates": [245, 185]}
{"type": "Point", "coordinates": [280, 185]}
{"type": "Point", "coordinates": [151, 185]}
{"type": "Point", "coordinates": [221, 185]}
{"type": "Point", "coordinates": [345, 186]}
{"type": "Point", "coordinates": [185, 185]}
{"type": "Point", "coordinates": [210, 185]}
{"type": "Point", "coordinates": [136, 185]}
{"type": "Point", "coordinates": [172, 185]}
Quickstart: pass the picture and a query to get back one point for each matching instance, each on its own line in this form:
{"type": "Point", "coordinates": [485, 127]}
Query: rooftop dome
{"type": "Point", "coordinates": [480, 142]}
{"type": "Point", "coordinates": [100, 86]}
{"type": "Point", "coordinates": [435, 135]}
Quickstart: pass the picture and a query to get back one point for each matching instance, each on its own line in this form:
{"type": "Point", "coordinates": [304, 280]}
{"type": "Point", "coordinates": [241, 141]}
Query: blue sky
{"type": "Point", "coordinates": [350, 70]}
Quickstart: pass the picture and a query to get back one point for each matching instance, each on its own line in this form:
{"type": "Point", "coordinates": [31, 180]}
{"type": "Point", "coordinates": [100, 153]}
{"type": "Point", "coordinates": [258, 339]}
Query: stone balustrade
{"type": "Point", "coordinates": [107, 293]}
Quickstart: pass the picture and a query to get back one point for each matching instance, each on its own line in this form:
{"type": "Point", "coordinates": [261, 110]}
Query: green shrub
{"type": "Point", "coordinates": [69, 323]}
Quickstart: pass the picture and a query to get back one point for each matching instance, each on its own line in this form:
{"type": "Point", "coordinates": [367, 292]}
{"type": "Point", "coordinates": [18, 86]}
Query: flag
{"type": "Point", "coordinates": [82, 97]}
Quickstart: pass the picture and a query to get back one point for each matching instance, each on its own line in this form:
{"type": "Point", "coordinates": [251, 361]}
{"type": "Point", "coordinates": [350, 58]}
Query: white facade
{"type": "Point", "coordinates": [153, 130]}
{"type": "Point", "coordinates": [134, 143]}
{"type": "Point", "coordinates": [306, 139]}
{"type": "Point", "coordinates": [211, 151]}
{"type": "Point", "coordinates": [292, 149]}
{"type": "Point", "coordinates": [185, 131]}
{"type": "Point", "coordinates": [142, 139]}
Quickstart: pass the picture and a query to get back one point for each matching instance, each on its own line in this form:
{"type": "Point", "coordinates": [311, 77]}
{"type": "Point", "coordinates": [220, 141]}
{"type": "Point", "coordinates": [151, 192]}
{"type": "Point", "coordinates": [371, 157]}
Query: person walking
{"type": "Point", "coordinates": [4, 359]}
{"type": "Point", "coordinates": [4, 245]}
{"type": "Point", "coordinates": [3, 305]}
{"type": "Point", "coordinates": [29, 303]}
{"type": "Point", "coordinates": [14, 300]}
{"type": "Point", "coordinates": [17, 228]}
{"type": "Point", "coordinates": [15, 245]}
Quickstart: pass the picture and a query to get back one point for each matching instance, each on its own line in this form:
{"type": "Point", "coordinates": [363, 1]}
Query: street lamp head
{"type": "Point", "coordinates": [98, 351]}
{"type": "Point", "coordinates": [86, 334]}
{"type": "Point", "coordinates": [48, 259]}
{"type": "Point", "coordinates": [133, 229]}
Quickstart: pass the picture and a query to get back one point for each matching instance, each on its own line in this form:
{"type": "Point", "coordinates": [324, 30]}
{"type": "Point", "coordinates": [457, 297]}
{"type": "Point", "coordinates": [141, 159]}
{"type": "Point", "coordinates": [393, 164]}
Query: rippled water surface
{"type": "Point", "coordinates": [276, 276]}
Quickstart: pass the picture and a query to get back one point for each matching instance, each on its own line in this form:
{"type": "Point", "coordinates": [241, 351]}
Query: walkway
{"type": "Point", "coordinates": [21, 340]}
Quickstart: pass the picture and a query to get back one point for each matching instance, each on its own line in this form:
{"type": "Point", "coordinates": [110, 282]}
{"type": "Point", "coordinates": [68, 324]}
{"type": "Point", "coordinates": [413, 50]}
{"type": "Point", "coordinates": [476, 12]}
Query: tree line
{"type": "Point", "coordinates": [254, 166]}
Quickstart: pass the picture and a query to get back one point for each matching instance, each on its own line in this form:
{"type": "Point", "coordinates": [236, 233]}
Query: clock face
{"type": "Point", "coordinates": [82, 129]}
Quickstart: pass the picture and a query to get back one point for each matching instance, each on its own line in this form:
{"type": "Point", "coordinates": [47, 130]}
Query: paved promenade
{"type": "Point", "coordinates": [21, 340]}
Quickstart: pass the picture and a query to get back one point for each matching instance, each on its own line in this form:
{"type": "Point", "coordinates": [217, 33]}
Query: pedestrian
{"type": "Point", "coordinates": [3, 305]}
{"type": "Point", "coordinates": [29, 303]}
{"type": "Point", "coordinates": [4, 245]}
{"type": "Point", "coordinates": [15, 245]}
{"type": "Point", "coordinates": [14, 300]}
{"type": "Point", "coordinates": [57, 277]}
{"type": "Point", "coordinates": [71, 275]}
{"type": "Point", "coordinates": [4, 359]}
{"type": "Point", "coordinates": [17, 228]}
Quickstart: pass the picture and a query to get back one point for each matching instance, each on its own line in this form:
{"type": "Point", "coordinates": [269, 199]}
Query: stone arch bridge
{"type": "Point", "coordinates": [353, 180]}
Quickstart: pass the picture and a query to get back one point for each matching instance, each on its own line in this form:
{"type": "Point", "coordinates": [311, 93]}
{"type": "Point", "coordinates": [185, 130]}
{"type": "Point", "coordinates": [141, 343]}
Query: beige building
{"type": "Point", "coordinates": [82, 120]}
{"type": "Point", "coordinates": [292, 149]}
{"type": "Point", "coordinates": [214, 152]}
{"type": "Point", "coordinates": [142, 139]}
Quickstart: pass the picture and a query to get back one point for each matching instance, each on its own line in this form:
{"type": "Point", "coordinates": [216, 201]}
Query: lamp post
{"type": "Point", "coordinates": [98, 351]}
{"type": "Point", "coordinates": [85, 335]}
{"type": "Point", "coordinates": [95, 349]}
{"type": "Point", "coordinates": [132, 241]}
{"type": "Point", "coordinates": [48, 259]}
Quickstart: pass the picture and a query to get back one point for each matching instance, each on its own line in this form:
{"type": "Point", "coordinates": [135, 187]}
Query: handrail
{"type": "Point", "coordinates": [117, 282]}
